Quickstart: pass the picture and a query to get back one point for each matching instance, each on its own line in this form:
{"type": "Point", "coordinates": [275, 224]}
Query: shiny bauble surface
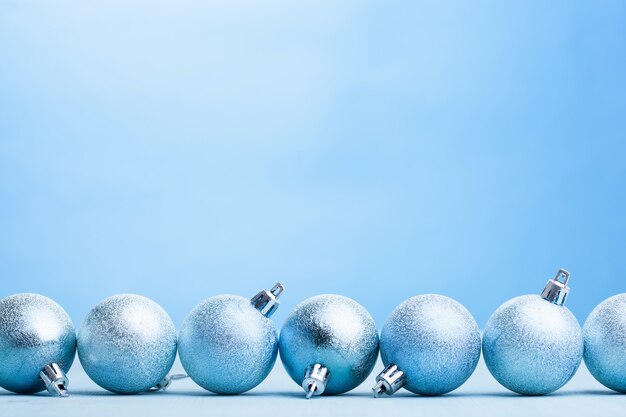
{"type": "Point", "coordinates": [334, 331]}
{"type": "Point", "coordinates": [434, 340]}
{"type": "Point", "coordinates": [34, 332]}
{"type": "Point", "coordinates": [226, 345]}
{"type": "Point", "coordinates": [127, 344]}
{"type": "Point", "coordinates": [604, 333]}
{"type": "Point", "coordinates": [532, 346]}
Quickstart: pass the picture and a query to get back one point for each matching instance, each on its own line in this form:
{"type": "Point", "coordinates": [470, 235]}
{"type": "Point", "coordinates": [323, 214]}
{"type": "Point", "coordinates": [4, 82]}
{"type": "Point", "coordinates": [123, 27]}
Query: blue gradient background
{"type": "Point", "coordinates": [375, 149]}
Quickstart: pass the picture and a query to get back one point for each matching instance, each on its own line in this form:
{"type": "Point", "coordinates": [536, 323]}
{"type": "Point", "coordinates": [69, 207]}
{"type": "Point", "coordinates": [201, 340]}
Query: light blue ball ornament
{"type": "Point", "coordinates": [430, 345]}
{"type": "Point", "coordinates": [37, 345]}
{"type": "Point", "coordinates": [329, 344]}
{"type": "Point", "coordinates": [532, 344]}
{"type": "Point", "coordinates": [604, 333]}
{"type": "Point", "coordinates": [228, 344]}
{"type": "Point", "coordinates": [127, 344]}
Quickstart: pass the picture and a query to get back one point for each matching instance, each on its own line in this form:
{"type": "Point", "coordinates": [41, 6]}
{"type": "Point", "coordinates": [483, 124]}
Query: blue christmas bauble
{"type": "Point", "coordinates": [532, 346]}
{"type": "Point", "coordinates": [127, 344]}
{"type": "Point", "coordinates": [34, 332]}
{"type": "Point", "coordinates": [226, 345]}
{"type": "Point", "coordinates": [434, 341]}
{"type": "Point", "coordinates": [329, 344]}
{"type": "Point", "coordinates": [604, 333]}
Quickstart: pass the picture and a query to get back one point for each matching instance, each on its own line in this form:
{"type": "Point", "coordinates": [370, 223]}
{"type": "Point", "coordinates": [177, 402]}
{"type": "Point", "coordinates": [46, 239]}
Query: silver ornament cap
{"type": "Point", "coordinates": [390, 380]}
{"type": "Point", "coordinates": [555, 290]}
{"type": "Point", "coordinates": [55, 380]}
{"type": "Point", "coordinates": [315, 379]}
{"type": "Point", "coordinates": [267, 301]}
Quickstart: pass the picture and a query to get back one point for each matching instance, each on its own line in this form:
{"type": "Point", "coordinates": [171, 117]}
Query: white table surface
{"type": "Point", "coordinates": [279, 396]}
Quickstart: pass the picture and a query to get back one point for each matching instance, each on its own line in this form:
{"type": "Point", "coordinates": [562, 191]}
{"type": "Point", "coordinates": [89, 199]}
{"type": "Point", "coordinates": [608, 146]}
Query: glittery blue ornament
{"type": "Point", "coordinates": [228, 344]}
{"type": "Point", "coordinates": [532, 344]}
{"type": "Point", "coordinates": [329, 344]}
{"type": "Point", "coordinates": [37, 345]}
{"type": "Point", "coordinates": [430, 345]}
{"type": "Point", "coordinates": [604, 333]}
{"type": "Point", "coordinates": [127, 344]}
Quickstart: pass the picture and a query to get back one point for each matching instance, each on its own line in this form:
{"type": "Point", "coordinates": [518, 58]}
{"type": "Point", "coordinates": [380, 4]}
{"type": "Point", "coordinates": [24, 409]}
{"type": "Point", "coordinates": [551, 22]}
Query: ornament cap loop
{"type": "Point", "coordinates": [267, 301]}
{"type": "Point", "coordinates": [556, 290]}
{"type": "Point", "coordinates": [55, 380]}
{"type": "Point", "coordinates": [167, 381]}
{"type": "Point", "coordinates": [390, 380]}
{"type": "Point", "coordinates": [315, 379]}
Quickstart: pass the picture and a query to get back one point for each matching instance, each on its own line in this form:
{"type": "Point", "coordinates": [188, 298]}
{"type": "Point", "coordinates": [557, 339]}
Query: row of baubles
{"type": "Point", "coordinates": [329, 344]}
